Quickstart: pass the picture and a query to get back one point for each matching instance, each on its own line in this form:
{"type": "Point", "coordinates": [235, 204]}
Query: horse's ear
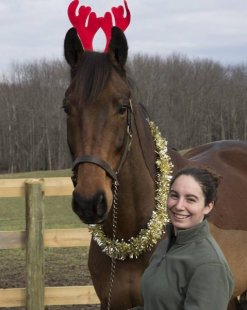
{"type": "Point", "coordinates": [118, 47]}
{"type": "Point", "coordinates": [72, 47]}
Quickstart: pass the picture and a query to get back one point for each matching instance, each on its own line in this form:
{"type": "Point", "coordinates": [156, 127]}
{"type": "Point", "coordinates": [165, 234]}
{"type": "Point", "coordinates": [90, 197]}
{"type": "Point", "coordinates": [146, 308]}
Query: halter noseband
{"type": "Point", "coordinates": [102, 163]}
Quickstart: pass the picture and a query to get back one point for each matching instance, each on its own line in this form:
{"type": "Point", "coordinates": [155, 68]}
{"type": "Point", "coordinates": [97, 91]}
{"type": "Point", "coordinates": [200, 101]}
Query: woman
{"type": "Point", "coordinates": [188, 270]}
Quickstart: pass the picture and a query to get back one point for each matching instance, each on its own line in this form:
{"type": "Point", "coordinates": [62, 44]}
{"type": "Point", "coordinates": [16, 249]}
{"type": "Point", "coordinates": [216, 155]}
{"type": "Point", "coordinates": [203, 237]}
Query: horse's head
{"type": "Point", "coordinates": [98, 108]}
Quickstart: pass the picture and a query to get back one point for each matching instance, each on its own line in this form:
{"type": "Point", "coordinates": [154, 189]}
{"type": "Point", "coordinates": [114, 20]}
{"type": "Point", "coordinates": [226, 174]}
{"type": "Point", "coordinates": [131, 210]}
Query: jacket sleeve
{"type": "Point", "coordinates": [210, 287]}
{"type": "Point", "coordinates": [137, 308]}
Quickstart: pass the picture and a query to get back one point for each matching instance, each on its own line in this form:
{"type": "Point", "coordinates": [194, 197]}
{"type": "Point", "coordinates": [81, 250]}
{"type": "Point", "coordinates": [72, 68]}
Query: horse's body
{"type": "Point", "coordinates": [97, 117]}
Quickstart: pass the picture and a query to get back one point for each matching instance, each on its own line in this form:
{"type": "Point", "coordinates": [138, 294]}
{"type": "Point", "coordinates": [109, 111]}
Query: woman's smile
{"type": "Point", "coordinates": [180, 216]}
{"type": "Point", "coordinates": [186, 203]}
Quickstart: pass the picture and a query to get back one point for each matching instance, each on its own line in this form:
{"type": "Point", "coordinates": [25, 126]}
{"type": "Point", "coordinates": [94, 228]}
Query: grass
{"type": "Point", "coordinates": [58, 212]}
{"type": "Point", "coordinates": [37, 174]}
{"type": "Point", "coordinates": [63, 266]}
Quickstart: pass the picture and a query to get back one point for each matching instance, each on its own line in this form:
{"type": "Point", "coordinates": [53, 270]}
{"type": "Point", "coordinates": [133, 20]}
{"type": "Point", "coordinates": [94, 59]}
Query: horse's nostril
{"type": "Point", "coordinates": [77, 204]}
{"type": "Point", "coordinates": [90, 210]}
{"type": "Point", "coordinates": [100, 205]}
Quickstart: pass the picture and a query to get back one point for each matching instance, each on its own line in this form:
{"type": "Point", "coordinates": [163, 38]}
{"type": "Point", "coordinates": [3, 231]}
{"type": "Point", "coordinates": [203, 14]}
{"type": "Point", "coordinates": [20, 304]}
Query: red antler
{"type": "Point", "coordinates": [87, 33]}
{"type": "Point", "coordinates": [106, 25]}
{"type": "Point", "coordinates": [121, 21]}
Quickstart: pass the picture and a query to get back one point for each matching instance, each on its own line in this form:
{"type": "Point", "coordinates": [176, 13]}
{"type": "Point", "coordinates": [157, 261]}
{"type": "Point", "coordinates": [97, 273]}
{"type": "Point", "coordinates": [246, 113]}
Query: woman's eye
{"type": "Point", "coordinates": [173, 195]}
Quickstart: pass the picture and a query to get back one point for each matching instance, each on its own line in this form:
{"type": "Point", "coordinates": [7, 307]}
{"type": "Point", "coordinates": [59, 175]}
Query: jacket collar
{"type": "Point", "coordinates": [199, 231]}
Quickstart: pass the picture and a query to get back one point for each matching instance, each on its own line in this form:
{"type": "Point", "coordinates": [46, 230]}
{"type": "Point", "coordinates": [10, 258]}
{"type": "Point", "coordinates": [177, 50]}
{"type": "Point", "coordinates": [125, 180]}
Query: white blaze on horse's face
{"type": "Point", "coordinates": [96, 103]}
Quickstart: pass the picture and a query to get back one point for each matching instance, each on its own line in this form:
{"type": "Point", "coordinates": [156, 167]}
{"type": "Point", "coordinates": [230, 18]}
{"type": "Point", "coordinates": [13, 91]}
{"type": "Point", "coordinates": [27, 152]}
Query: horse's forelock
{"type": "Point", "coordinates": [92, 75]}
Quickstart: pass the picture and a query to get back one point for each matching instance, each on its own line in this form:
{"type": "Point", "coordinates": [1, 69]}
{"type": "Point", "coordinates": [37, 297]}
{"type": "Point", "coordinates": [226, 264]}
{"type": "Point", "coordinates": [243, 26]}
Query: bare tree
{"type": "Point", "coordinates": [192, 101]}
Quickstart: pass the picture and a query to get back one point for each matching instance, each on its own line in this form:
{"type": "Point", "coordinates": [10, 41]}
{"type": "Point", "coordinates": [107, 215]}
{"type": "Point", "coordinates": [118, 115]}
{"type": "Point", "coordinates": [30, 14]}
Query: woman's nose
{"type": "Point", "coordinates": [180, 204]}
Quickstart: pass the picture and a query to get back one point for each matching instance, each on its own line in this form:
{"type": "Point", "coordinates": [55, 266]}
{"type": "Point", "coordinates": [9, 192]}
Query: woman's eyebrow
{"type": "Point", "coordinates": [192, 196]}
{"type": "Point", "coordinates": [173, 191]}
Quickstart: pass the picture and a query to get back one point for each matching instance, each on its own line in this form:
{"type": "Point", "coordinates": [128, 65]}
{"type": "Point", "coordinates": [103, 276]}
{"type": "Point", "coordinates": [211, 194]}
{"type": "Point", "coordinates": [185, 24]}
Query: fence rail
{"type": "Point", "coordinates": [35, 296]}
{"type": "Point", "coordinates": [53, 238]}
{"type": "Point", "coordinates": [66, 295]}
{"type": "Point", "coordinates": [50, 186]}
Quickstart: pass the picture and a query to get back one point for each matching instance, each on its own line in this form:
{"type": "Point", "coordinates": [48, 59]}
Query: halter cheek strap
{"type": "Point", "coordinates": [129, 136]}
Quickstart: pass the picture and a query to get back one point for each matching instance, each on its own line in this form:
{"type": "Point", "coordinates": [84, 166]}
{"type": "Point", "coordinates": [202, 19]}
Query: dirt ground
{"type": "Point", "coordinates": [63, 267]}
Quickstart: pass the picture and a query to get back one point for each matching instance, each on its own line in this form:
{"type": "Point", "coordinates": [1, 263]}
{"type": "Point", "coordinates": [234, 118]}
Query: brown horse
{"type": "Point", "coordinates": [114, 153]}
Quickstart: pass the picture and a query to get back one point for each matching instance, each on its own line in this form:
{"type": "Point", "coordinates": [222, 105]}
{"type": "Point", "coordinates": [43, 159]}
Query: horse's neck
{"type": "Point", "coordinates": [136, 183]}
{"type": "Point", "coordinates": [177, 160]}
{"type": "Point", "coordinates": [136, 192]}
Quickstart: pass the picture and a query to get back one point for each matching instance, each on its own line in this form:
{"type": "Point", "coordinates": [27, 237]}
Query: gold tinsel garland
{"type": "Point", "coordinates": [149, 236]}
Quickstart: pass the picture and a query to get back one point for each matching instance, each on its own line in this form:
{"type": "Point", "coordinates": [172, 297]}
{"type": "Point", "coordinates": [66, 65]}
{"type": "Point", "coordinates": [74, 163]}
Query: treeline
{"type": "Point", "coordinates": [192, 101]}
{"type": "Point", "coordinates": [33, 132]}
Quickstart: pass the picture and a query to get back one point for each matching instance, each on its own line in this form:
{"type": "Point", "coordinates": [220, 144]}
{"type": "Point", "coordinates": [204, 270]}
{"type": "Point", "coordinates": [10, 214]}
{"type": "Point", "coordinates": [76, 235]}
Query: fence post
{"type": "Point", "coordinates": [34, 245]}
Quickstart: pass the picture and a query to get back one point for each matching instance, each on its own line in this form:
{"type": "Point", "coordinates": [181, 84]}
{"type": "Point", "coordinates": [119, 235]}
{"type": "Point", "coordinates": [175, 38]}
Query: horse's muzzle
{"type": "Point", "coordinates": [90, 210]}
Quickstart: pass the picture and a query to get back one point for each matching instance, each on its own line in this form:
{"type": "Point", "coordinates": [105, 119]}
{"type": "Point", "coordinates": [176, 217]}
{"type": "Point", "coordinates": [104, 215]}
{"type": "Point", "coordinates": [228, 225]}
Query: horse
{"type": "Point", "coordinates": [115, 175]}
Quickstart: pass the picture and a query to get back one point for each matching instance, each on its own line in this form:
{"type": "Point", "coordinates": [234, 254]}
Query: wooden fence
{"type": "Point", "coordinates": [34, 239]}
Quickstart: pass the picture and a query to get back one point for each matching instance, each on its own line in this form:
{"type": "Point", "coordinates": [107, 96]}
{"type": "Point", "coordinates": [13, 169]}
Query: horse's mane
{"type": "Point", "coordinates": [92, 74]}
{"type": "Point", "coordinates": [144, 111]}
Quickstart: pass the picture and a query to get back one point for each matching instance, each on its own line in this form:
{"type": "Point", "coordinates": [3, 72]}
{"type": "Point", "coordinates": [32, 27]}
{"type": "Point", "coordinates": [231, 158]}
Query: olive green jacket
{"type": "Point", "coordinates": [187, 272]}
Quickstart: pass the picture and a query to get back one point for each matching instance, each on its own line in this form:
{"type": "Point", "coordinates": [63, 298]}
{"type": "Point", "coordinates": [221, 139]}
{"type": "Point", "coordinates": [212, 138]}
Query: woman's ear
{"type": "Point", "coordinates": [208, 208]}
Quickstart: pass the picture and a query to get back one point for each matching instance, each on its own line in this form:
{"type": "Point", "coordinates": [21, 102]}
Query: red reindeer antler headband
{"type": "Point", "coordinates": [87, 23]}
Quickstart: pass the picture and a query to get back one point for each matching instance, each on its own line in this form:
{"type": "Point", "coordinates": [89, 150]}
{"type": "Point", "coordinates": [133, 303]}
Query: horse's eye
{"type": "Point", "coordinates": [122, 108]}
{"type": "Point", "coordinates": [65, 105]}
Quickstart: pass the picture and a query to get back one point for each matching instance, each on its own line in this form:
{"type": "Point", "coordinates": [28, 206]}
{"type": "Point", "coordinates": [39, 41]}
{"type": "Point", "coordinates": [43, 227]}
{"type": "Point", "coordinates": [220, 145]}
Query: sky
{"type": "Point", "coordinates": [214, 29]}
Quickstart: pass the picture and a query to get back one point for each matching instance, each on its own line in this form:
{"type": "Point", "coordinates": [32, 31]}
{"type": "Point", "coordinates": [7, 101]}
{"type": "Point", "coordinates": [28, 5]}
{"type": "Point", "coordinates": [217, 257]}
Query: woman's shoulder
{"type": "Point", "coordinates": [216, 253]}
{"type": "Point", "coordinates": [207, 251]}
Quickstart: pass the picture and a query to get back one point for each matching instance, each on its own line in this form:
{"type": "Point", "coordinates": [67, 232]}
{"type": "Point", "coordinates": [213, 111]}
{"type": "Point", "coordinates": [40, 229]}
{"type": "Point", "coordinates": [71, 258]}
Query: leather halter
{"type": "Point", "coordinates": [93, 159]}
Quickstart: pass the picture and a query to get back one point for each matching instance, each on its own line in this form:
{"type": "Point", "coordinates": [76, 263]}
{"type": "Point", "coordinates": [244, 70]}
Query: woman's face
{"type": "Point", "coordinates": [186, 203]}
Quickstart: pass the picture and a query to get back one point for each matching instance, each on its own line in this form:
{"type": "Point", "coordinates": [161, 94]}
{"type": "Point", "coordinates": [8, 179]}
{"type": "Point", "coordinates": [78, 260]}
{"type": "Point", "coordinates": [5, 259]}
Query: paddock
{"type": "Point", "coordinates": [35, 239]}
